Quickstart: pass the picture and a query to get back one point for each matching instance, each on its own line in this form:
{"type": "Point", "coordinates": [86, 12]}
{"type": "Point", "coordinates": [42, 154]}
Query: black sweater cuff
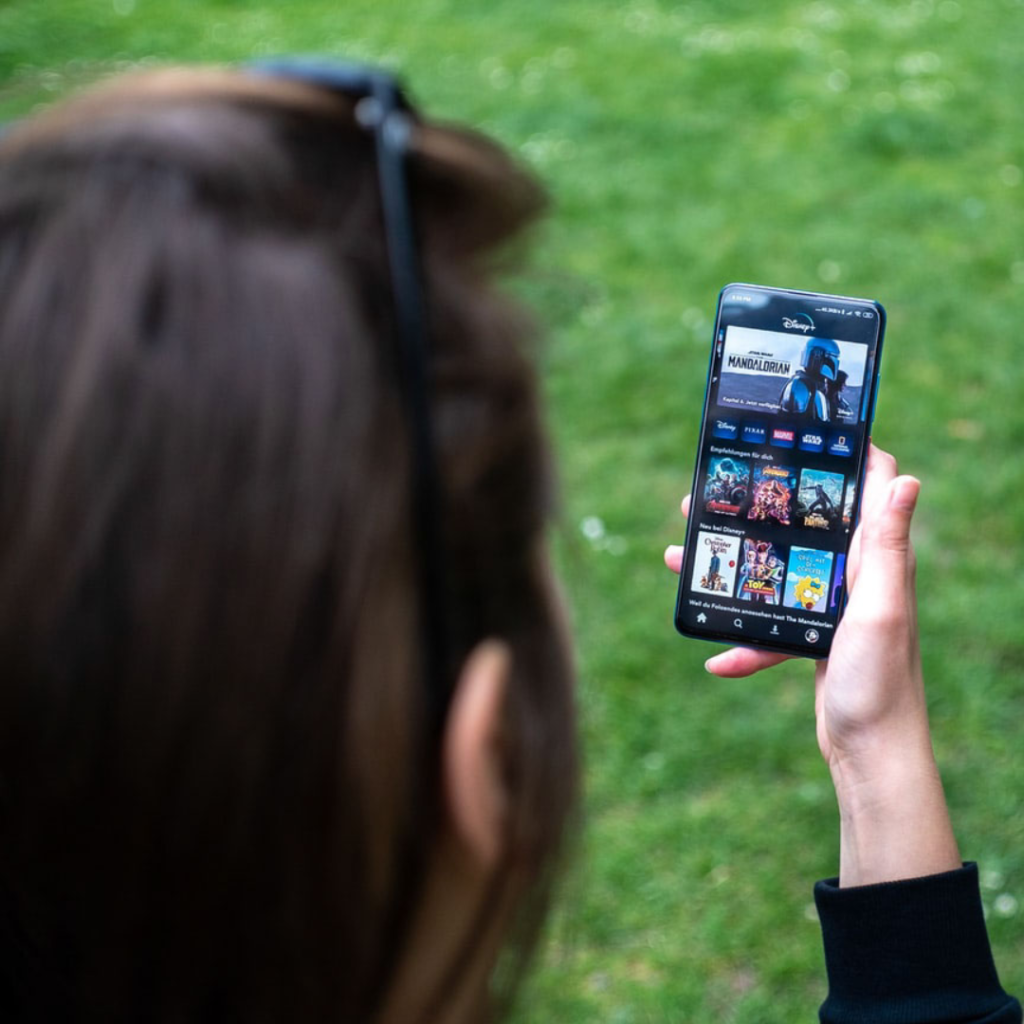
{"type": "Point", "coordinates": [910, 952]}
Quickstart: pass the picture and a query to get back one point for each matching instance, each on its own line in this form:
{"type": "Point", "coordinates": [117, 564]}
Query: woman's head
{"type": "Point", "coordinates": [221, 794]}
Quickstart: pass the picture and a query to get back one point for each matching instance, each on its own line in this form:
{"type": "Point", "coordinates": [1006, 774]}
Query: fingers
{"type": "Point", "coordinates": [674, 552]}
{"type": "Point", "coordinates": [741, 661]}
{"type": "Point", "coordinates": [674, 558]}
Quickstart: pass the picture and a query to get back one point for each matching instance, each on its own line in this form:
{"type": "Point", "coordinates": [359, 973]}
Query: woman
{"type": "Point", "coordinates": [286, 726]}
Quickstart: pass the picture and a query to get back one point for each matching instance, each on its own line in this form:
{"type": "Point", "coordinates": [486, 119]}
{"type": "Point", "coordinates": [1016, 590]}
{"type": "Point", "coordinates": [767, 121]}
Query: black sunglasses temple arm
{"type": "Point", "coordinates": [392, 127]}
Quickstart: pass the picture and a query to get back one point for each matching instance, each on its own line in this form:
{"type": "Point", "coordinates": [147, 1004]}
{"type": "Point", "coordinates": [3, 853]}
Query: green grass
{"type": "Point", "coordinates": [869, 147]}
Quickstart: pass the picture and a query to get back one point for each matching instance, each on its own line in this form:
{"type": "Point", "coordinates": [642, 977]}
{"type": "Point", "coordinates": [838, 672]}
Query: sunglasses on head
{"type": "Point", "coordinates": [382, 109]}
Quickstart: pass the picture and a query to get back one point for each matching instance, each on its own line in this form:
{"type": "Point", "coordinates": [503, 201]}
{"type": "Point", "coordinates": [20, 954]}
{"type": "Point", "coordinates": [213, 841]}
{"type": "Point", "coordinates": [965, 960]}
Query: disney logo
{"type": "Point", "coordinates": [797, 325]}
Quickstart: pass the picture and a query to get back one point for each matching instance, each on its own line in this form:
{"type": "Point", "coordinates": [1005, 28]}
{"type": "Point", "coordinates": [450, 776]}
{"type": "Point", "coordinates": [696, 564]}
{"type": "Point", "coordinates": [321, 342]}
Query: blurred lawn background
{"type": "Point", "coordinates": [868, 147]}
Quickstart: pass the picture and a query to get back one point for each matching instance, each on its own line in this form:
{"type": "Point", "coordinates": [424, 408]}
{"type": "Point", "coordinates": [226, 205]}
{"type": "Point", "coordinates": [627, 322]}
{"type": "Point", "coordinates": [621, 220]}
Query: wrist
{"type": "Point", "coordinates": [889, 788]}
{"type": "Point", "coordinates": [879, 769]}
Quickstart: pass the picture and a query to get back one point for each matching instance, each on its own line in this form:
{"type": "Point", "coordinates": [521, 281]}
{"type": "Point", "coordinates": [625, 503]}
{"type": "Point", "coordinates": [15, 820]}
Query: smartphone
{"type": "Point", "coordinates": [788, 409]}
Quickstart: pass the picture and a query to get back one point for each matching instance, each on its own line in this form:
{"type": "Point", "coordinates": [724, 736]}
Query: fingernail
{"type": "Point", "coordinates": [904, 494]}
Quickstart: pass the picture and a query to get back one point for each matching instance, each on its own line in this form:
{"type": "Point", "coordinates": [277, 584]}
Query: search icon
{"type": "Point", "coordinates": [738, 623]}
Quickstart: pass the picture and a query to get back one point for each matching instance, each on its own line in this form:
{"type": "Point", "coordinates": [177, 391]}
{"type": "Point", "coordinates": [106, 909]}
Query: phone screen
{"type": "Point", "coordinates": [776, 493]}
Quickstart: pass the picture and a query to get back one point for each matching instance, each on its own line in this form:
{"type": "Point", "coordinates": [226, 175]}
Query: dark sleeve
{"type": "Point", "coordinates": [910, 952]}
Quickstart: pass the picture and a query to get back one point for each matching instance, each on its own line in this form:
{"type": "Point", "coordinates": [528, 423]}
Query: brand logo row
{"type": "Point", "coordinates": [835, 442]}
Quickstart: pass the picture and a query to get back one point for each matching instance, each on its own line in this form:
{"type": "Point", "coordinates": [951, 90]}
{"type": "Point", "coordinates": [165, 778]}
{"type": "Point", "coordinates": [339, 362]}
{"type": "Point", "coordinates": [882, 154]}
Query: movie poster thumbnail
{"type": "Point", "coordinates": [848, 500]}
{"type": "Point", "coordinates": [762, 570]}
{"type": "Point", "coordinates": [714, 564]}
{"type": "Point", "coordinates": [808, 578]}
{"type": "Point", "coordinates": [772, 495]}
{"type": "Point", "coordinates": [799, 376]}
{"type": "Point", "coordinates": [725, 489]}
{"type": "Point", "coordinates": [819, 500]}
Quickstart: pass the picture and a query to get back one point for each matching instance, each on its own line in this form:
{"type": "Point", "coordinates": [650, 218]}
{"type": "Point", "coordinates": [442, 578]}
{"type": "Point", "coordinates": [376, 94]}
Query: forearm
{"type": "Point", "coordinates": [894, 823]}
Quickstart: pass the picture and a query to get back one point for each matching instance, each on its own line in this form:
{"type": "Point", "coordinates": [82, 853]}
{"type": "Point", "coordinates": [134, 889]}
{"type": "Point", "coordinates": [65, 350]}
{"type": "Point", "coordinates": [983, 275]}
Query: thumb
{"type": "Point", "coordinates": [885, 540]}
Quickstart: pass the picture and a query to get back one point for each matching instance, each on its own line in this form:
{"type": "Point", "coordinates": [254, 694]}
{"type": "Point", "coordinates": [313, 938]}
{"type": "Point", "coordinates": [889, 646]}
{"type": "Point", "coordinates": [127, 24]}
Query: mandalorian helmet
{"type": "Point", "coordinates": [821, 358]}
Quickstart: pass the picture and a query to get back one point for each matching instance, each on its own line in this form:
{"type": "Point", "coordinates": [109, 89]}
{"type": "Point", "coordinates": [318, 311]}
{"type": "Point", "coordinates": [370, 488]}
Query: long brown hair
{"type": "Point", "coordinates": [218, 784]}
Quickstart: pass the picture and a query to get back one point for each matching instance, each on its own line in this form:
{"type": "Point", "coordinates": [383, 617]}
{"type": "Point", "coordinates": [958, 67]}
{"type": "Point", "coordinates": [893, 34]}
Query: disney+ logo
{"type": "Point", "coordinates": [794, 324]}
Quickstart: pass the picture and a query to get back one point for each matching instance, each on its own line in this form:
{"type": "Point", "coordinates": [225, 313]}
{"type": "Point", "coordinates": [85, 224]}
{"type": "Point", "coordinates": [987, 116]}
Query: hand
{"type": "Point", "coordinates": [872, 678]}
{"type": "Point", "coordinates": [872, 718]}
